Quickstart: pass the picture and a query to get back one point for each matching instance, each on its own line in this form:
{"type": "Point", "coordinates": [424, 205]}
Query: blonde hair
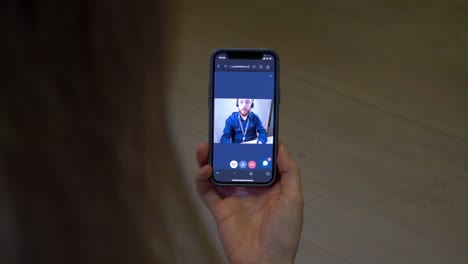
{"type": "Point", "coordinates": [86, 173]}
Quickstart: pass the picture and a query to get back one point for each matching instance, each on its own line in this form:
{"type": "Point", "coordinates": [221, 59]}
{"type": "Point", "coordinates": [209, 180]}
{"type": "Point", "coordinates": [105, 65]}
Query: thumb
{"type": "Point", "coordinates": [290, 181]}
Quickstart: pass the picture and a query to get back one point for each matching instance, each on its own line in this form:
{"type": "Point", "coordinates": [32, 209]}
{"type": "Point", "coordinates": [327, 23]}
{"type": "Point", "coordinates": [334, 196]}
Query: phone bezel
{"type": "Point", "coordinates": [276, 100]}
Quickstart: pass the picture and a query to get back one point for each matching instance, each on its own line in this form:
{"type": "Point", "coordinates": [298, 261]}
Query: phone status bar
{"type": "Point", "coordinates": [224, 63]}
{"type": "Point", "coordinates": [266, 57]}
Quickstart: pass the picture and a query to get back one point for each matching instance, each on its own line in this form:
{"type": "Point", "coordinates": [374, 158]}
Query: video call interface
{"type": "Point", "coordinates": [243, 128]}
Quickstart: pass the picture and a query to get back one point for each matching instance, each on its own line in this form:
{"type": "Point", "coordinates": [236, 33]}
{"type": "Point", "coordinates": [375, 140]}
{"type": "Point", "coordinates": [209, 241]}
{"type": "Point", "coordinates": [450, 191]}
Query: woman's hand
{"type": "Point", "coordinates": [256, 224]}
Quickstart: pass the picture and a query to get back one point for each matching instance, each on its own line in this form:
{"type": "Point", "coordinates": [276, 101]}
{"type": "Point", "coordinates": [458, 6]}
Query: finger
{"type": "Point", "coordinates": [202, 154]}
{"type": "Point", "coordinates": [205, 188]}
{"type": "Point", "coordinates": [290, 176]}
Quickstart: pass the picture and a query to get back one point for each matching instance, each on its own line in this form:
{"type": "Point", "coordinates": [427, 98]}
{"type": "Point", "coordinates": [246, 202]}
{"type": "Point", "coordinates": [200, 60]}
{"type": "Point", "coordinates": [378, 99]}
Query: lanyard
{"type": "Point", "coordinates": [244, 132]}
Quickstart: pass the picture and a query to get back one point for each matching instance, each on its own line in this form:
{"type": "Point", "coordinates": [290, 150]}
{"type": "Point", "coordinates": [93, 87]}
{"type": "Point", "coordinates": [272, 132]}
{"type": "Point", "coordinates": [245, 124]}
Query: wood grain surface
{"type": "Point", "coordinates": [374, 110]}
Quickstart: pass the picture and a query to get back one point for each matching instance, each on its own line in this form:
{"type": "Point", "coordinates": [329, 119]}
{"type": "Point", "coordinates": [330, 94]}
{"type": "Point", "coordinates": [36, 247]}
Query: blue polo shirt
{"type": "Point", "coordinates": [232, 132]}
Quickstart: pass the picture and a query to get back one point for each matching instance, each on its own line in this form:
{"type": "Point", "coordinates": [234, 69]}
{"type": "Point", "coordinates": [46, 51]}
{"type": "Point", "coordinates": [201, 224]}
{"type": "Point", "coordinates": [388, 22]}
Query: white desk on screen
{"type": "Point", "coordinates": [269, 141]}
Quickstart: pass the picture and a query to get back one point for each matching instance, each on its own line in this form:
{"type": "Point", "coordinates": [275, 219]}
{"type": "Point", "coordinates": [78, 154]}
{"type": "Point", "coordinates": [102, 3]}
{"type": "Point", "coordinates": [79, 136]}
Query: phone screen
{"type": "Point", "coordinates": [244, 126]}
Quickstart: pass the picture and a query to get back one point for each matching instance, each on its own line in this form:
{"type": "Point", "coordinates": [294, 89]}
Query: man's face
{"type": "Point", "coordinates": [244, 106]}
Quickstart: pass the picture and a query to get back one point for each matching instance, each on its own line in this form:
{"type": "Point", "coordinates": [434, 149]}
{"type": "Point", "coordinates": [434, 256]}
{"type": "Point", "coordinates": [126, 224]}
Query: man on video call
{"type": "Point", "coordinates": [244, 125]}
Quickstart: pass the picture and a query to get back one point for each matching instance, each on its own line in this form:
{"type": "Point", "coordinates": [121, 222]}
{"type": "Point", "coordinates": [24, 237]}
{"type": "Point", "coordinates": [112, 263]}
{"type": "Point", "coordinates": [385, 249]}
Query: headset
{"type": "Point", "coordinates": [251, 105]}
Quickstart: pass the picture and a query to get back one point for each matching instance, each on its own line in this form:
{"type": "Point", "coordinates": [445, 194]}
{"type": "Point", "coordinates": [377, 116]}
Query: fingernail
{"type": "Point", "coordinates": [285, 149]}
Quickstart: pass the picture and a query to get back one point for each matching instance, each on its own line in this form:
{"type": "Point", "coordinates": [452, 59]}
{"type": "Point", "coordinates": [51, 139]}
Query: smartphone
{"type": "Point", "coordinates": [243, 100]}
